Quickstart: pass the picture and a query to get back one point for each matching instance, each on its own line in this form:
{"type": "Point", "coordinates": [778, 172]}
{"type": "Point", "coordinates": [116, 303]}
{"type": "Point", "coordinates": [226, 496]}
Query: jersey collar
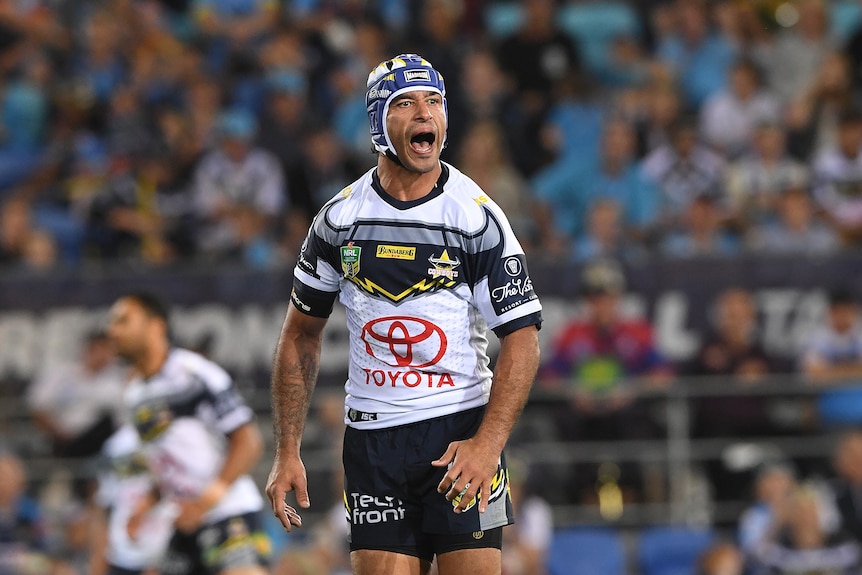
{"type": "Point", "coordinates": [406, 205]}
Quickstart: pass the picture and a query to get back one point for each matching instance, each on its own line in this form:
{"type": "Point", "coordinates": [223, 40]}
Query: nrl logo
{"type": "Point", "coordinates": [350, 259]}
{"type": "Point", "coordinates": [443, 266]}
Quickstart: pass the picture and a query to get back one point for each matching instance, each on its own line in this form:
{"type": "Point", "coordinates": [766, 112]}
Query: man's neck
{"type": "Point", "coordinates": [403, 184]}
{"type": "Point", "coordinates": [151, 363]}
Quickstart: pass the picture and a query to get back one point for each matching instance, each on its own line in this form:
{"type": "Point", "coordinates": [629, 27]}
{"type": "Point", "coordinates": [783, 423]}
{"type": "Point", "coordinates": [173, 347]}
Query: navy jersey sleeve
{"type": "Point", "coordinates": [503, 290]}
{"type": "Point", "coordinates": [315, 277]}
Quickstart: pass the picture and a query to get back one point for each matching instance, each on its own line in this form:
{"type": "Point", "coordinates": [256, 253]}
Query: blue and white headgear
{"type": "Point", "coordinates": [390, 79]}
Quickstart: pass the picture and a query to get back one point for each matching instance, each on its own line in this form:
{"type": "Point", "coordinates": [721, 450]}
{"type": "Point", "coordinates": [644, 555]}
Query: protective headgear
{"type": "Point", "coordinates": [390, 79]}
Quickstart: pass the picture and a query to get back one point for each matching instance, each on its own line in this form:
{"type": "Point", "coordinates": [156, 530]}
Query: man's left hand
{"type": "Point", "coordinates": [472, 466]}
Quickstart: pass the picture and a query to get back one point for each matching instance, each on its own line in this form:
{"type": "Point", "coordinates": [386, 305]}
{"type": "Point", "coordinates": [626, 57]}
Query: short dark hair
{"type": "Point", "coordinates": [152, 304]}
{"type": "Point", "coordinates": [841, 296]}
{"type": "Point", "coordinates": [849, 116]}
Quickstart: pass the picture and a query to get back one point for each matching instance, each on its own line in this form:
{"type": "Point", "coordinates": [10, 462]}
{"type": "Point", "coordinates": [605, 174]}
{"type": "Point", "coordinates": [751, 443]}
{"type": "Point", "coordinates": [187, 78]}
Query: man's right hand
{"type": "Point", "coordinates": [287, 474]}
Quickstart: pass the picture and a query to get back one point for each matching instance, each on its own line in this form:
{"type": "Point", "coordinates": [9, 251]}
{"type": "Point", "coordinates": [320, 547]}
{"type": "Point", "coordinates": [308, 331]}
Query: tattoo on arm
{"type": "Point", "coordinates": [294, 375]}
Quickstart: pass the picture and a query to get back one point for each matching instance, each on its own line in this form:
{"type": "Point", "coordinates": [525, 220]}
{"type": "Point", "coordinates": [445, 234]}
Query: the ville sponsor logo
{"type": "Point", "coordinates": [513, 288]}
{"type": "Point", "coordinates": [404, 341]}
{"type": "Point", "coordinates": [513, 266]}
{"type": "Point", "coordinates": [369, 510]}
{"type": "Point", "coordinates": [396, 252]}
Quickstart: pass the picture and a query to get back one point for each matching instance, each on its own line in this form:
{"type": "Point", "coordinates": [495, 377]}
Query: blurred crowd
{"type": "Point", "coordinates": [158, 132]}
{"type": "Point", "coordinates": [165, 132]}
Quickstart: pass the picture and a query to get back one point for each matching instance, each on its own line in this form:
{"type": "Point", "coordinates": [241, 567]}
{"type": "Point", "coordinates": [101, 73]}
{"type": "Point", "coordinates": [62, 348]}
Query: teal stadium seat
{"type": "Point", "coordinates": [503, 18]}
{"type": "Point", "coordinates": [586, 551]}
{"type": "Point", "coordinates": [595, 24]}
{"type": "Point", "coordinates": [671, 550]}
{"type": "Point", "coordinates": [845, 17]}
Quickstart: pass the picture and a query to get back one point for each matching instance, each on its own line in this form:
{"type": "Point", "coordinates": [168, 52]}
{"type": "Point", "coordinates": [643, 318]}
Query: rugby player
{"type": "Point", "coordinates": [425, 264]}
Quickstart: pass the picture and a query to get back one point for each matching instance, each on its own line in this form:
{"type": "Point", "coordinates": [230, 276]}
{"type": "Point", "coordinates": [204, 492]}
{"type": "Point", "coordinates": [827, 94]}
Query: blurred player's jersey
{"type": "Point", "coordinates": [183, 415]}
{"type": "Point", "coordinates": [122, 483]}
{"type": "Point", "coordinates": [422, 281]}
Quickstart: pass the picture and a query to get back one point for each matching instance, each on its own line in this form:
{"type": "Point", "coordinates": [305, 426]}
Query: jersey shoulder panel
{"type": "Point", "coordinates": [336, 216]}
{"type": "Point", "coordinates": [473, 202]}
{"type": "Point", "coordinates": [214, 377]}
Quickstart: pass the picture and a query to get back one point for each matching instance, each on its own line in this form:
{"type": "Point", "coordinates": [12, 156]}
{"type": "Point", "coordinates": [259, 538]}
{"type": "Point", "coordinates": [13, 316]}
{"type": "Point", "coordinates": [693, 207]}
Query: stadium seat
{"type": "Point", "coordinates": [845, 17]}
{"type": "Point", "coordinates": [586, 550]}
{"type": "Point", "coordinates": [594, 25]}
{"type": "Point", "coordinates": [503, 18]}
{"type": "Point", "coordinates": [671, 550]}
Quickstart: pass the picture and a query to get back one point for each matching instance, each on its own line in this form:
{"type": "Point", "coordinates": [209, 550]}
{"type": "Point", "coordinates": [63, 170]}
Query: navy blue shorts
{"type": "Point", "coordinates": [237, 541]}
{"type": "Point", "coordinates": [390, 493]}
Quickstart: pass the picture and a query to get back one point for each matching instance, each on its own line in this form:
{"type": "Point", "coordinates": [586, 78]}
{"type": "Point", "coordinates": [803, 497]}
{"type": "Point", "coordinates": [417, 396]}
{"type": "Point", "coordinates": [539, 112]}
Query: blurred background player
{"type": "Point", "coordinates": [200, 442]}
{"type": "Point", "coordinates": [123, 484]}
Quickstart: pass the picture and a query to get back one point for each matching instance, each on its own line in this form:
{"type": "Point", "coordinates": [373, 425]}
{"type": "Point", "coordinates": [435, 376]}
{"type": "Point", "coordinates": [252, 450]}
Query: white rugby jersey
{"type": "Point", "coordinates": [122, 484]}
{"type": "Point", "coordinates": [422, 282]}
{"type": "Point", "coordinates": [183, 415]}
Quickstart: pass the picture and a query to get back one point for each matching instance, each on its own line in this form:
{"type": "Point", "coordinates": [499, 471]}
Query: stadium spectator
{"type": "Point", "coordinates": [239, 191]}
{"type": "Point", "coordinates": [484, 157]}
{"type": "Point", "coordinates": [698, 56]}
{"type": "Point", "coordinates": [846, 486]}
{"type": "Point", "coordinates": [683, 169]}
{"type": "Point", "coordinates": [754, 182]}
{"type": "Point", "coordinates": [285, 121]}
{"type": "Point", "coordinates": [701, 233]}
{"type": "Point", "coordinates": [15, 227]}
{"type": "Point", "coordinates": [722, 558]}
{"type": "Point", "coordinates": [747, 26]}
{"type": "Point", "coordinates": [572, 129]}
{"type": "Point", "coordinates": [793, 61]}
{"type": "Point", "coordinates": [565, 191]}
{"type": "Point", "coordinates": [774, 484]}
{"type": "Point", "coordinates": [853, 50]}
{"type": "Point", "coordinates": [728, 118]}
{"type": "Point", "coordinates": [23, 540]}
{"type": "Point", "coordinates": [602, 361]}
{"type": "Point", "coordinates": [801, 543]}
{"type": "Point", "coordinates": [98, 68]}
{"type": "Point", "coordinates": [233, 30]}
{"type": "Point", "coordinates": [833, 353]}
{"type": "Point", "coordinates": [485, 95]}
{"type": "Point", "coordinates": [797, 231]}
{"type": "Point", "coordinates": [77, 172]}
{"type": "Point", "coordinates": [813, 118]}
{"type": "Point", "coordinates": [660, 111]}
{"type": "Point", "coordinates": [534, 58]}
{"type": "Point", "coordinates": [202, 108]}
{"type": "Point", "coordinates": [604, 236]}
{"type": "Point", "coordinates": [324, 164]}
{"type": "Point", "coordinates": [142, 216]}
{"type": "Point", "coordinates": [77, 404]}
{"type": "Point", "coordinates": [732, 348]}
{"type": "Point", "coordinates": [40, 252]}
{"type": "Point", "coordinates": [837, 174]}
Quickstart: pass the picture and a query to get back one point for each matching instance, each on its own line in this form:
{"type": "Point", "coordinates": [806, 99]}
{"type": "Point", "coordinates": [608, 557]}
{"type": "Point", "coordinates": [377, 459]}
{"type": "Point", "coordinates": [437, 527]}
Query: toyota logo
{"type": "Point", "coordinates": [402, 341]}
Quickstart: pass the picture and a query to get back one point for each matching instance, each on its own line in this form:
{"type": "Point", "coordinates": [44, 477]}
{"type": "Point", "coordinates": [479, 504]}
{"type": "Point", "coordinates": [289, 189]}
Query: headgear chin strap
{"type": "Point", "coordinates": [390, 79]}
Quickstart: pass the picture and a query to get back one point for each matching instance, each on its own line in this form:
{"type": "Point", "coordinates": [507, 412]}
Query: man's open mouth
{"type": "Point", "coordinates": [423, 143]}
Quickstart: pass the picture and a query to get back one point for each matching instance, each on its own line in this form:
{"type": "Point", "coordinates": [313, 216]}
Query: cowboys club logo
{"type": "Point", "coordinates": [403, 341]}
